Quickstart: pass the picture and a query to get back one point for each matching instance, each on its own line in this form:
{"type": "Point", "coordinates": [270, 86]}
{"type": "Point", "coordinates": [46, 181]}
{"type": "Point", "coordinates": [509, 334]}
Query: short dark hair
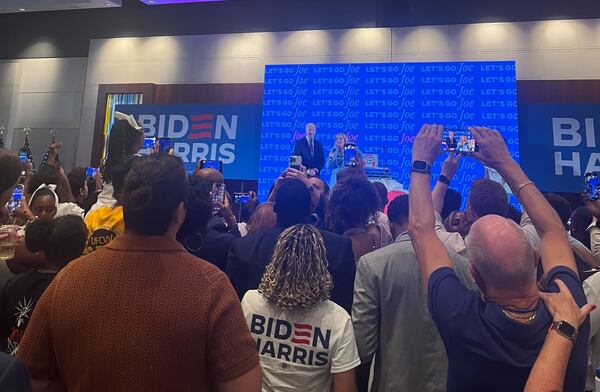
{"type": "Point", "coordinates": [62, 239]}
{"type": "Point", "coordinates": [353, 201]}
{"type": "Point", "coordinates": [488, 197]}
{"type": "Point", "coordinates": [120, 171]}
{"type": "Point", "coordinates": [452, 202]}
{"type": "Point", "coordinates": [199, 209]}
{"type": "Point", "coordinates": [561, 206]}
{"type": "Point", "coordinates": [292, 203]}
{"type": "Point", "coordinates": [350, 171]}
{"type": "Point", "coordinates": [155, 186]}
{"type": "Point", "coordinates": [77, 179]}
{"type": "Point", "coordinates": [10, 169]}
{"type": "Point", "coordinates": [514, 214]}
{"type": "Point", "coordinates": [581, 219]}
{"type": "Point", "coordinates": [382, 193]}
{"type": "Point", "coordinates": [398, 210]}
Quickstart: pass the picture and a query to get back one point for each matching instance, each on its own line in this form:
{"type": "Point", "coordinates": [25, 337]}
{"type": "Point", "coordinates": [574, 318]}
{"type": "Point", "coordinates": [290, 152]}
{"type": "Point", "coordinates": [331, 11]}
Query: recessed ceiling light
{"type": "Point", "coordinates": [108, 4]}
{"type": "Point", "coordinates": [22, 9]}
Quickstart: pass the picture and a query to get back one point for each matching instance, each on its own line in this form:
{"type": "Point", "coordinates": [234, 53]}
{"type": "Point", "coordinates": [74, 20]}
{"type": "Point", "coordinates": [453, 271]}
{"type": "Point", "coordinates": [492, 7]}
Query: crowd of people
{"type": "Point", "coordinates": [134, 280]}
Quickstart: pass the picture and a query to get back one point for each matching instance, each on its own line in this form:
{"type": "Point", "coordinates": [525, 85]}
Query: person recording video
{"type": "Point", "coordinates": [311, 151]}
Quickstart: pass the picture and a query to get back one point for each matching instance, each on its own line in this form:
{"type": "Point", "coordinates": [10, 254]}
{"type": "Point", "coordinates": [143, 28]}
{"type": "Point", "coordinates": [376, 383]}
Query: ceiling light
{"type": "Point", "coordinates": [22, 9]}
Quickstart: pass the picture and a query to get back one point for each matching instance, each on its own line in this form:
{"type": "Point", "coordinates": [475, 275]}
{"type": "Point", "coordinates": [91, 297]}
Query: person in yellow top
{"type": "Point", "coordinates": [105, 223]}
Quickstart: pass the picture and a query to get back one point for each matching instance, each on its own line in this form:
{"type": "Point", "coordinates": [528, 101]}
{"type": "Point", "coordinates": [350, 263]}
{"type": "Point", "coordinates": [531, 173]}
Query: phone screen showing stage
{"type": "Point", "coordinates": [349, 155]}
{"type": "Point", "coordinates": [91, 171]}
{"type": "Point", "coordinates": [217, 196]}
{"type": "Point", "coordinates": [149, 143]}
{"type": "Point", "coordinates": [241, 198]}
{"type": "Point", "coordinates": [23, 157]}
{"type": "Point", "coordinates": [211, 164]}
{"type": "Point", "coordinates": [591, 185]}
{"type": "Point", "coordinates": [17, 196]}
{"type": "Point", "coordinates": [459, 141]}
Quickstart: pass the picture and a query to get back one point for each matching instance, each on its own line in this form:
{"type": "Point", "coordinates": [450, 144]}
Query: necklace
{"type": "Point", "coordinates": [515, 316]}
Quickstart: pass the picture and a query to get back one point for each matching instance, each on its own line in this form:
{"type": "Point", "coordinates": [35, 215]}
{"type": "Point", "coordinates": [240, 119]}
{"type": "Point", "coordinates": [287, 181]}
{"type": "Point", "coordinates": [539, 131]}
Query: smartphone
{"type": "Point", "coordinates": [591, 185]}
{"type": "Point", "coordinates": [241, 197]}
{"type": "Point", "coordinates": [211, 164]}
{"type": "Point", "coordinates": [149, 143]}
{"type": "Point", "coordinates": [217, 195]}
{"type": "Point", "coordinates": [91, 171]}
{"type": "Point", "coordinates": [23, 156]}
{"type": "Point", "coordinates": [17, 197]}
{"type": "Point", "coordinates": [296, 162]}
{"type": "Point", "coordinates": [350, 154]}
{"type": "Point", "coordinates": [459, 141]}
{"type": "Point", "coordinates": [165, 144]}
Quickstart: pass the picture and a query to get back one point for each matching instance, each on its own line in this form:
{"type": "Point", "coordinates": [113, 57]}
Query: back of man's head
{"type": "Point", "coordinates": [398, 210]}
{"type": "Point", "coordinates": [292, 203]}
{"type": "Point", "coordinates": [580, 219]}
{"type": "Point", "coordinates": [561, 206]}
{"type": "Point", "coordinates": [452, 202]}
{"type": "Point", "coordinates": [501, 255]}
{"type": "Point", "coordinates": [487, 197]}
{"type": "Point", "coordinates": [154, 188]}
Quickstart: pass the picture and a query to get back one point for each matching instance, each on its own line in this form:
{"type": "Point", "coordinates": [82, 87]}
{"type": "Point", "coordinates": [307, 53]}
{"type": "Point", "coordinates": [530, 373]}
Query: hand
{"type": "Point", "coordinates": [450, 165]}
{"type": "Point", "coordinates": [427, 143]}
{"type": "Point", "coordinates": [562, 306]}
{"type": "Point", "coordinates": [492, 148]}
{"type": "Point", "coordinates": [252, 202]}
{"type": "Point", "coordinates": [593, 206]}
{"type": "Point", "coordinates": [297, 174]}
{"type": "Point", "coordinates": [98, 180]}
{"type": "Point", "coordinates": [311, 172]}
{"type": "Point", "coordinates": [227, 213]}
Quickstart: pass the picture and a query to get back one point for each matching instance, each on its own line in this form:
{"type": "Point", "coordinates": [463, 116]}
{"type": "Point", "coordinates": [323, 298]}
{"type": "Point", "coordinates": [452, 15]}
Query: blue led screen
{"type": "Point", "coordinates": [381, 107]}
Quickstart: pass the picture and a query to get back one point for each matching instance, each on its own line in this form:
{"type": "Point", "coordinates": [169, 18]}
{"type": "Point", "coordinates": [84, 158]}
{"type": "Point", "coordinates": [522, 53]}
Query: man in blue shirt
{"type": "Point", "coordinates": [492, 343]}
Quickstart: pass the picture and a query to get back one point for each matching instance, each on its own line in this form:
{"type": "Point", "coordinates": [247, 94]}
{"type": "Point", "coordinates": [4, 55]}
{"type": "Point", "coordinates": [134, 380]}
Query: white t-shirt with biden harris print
{"type": "Point", "coordinates": [300, 349]}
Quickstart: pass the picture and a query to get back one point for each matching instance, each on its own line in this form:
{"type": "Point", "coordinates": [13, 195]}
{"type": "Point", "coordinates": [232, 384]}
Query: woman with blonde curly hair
{"type": "Point", "coordinates": [305, 341]}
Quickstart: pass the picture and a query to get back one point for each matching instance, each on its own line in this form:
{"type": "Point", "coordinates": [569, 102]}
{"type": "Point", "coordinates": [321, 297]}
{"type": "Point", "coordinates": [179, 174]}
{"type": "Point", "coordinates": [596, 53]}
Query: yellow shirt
{"type": "Point", "coordinates": [103, 224]}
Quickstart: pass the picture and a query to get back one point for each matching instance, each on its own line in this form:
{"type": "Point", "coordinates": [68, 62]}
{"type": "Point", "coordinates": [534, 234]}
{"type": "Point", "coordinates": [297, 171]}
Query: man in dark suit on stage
{"type": "Point", "coordinates": [250, 255]}
{"type": "Point", "coordinates": [311, 151]}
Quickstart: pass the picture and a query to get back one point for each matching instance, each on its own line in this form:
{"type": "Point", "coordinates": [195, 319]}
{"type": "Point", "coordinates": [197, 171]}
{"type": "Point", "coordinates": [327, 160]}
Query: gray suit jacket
{"type": "Point", "coordinates": [391, 320]}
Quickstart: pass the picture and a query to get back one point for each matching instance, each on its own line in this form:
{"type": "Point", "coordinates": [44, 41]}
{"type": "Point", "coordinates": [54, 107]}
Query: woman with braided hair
{"type": "Point", "coordinates": [305, 341]}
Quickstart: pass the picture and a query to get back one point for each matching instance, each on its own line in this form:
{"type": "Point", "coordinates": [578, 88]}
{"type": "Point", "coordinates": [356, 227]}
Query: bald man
{"type": "Point", "coordinates": [492, 343]}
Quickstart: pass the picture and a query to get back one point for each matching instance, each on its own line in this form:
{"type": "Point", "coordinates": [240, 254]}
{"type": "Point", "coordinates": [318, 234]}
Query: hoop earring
{"type": "Point", "coordinates": [187, 246]}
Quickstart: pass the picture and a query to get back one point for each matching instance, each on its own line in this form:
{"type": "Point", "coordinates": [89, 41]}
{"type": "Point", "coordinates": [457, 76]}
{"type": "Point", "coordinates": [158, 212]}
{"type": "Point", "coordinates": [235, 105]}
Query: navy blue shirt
{"type": "Point", "coordinates": [489, 352]}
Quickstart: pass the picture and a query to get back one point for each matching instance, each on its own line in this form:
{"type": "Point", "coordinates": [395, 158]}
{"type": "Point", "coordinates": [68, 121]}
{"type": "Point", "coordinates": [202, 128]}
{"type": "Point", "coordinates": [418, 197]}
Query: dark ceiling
{"type": "Point", "coordinates": [67, 33]}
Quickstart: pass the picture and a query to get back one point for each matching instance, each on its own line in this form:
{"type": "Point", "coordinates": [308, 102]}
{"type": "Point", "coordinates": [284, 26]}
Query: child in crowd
{"type": "Point", "coordinates": [56, 242]}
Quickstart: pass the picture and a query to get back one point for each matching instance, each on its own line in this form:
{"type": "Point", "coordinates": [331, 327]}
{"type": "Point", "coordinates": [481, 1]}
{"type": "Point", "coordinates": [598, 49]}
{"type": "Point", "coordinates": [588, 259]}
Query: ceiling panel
{"type": "Point", "coordinates": [15, 6]}
{"type": "Point", "coordinates": [162, 2]}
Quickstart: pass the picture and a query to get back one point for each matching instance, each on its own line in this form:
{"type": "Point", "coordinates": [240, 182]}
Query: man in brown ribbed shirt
{"type": "Point", "coordinates": [141, 314]}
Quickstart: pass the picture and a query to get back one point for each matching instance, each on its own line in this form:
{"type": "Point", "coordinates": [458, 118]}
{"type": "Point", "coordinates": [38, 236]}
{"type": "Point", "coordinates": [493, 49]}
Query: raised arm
{"type": "Point", "coordinates": [421, 219]}
{"type": "Point", "coordinates": [449, 168]}
{"type": "Point", "coordinates": [555, 248]}
{"type": "Point", "coordinates": [549, 370]}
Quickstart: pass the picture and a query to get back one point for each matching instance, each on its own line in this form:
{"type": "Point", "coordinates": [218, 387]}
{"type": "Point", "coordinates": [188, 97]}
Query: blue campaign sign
{"type": "Point", "coordinates": [381, 107]}
{"type": "Point", "coordinates": [229, 133]}
{"type": "Point", "coordinates": [559, 144]}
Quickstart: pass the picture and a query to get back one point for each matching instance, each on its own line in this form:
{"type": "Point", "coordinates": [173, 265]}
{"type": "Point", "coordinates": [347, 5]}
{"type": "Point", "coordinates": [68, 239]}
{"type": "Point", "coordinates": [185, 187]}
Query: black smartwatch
{"type": "Point", "coordinates": [444, 180]}
{"type": "Point", "coordinates": [420, 167]}
{"type": "Point", "coordinates": [565, 329]}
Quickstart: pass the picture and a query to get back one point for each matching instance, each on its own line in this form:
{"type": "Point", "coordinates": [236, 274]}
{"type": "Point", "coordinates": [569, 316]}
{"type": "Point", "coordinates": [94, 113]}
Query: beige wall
{"type": "Point", "coordinates": [49, 93]}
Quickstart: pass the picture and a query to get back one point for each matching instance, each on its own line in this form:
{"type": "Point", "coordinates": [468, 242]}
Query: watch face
{"type": "Point", "coordinates": [566, 328]}
{"type": "Point", "coordinates": [419, 165]}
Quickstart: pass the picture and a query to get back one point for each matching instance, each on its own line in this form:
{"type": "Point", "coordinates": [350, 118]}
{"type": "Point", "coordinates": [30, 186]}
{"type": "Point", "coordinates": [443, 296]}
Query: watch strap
{"type": "Point", "coordinates": [444, 180]}
{"type": "Point", "coordinates": [415, 167]}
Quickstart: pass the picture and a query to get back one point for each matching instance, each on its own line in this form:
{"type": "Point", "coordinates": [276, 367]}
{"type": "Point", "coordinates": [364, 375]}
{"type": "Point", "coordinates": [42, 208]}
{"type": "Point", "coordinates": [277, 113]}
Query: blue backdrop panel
{"type": "Point", "coordinates": [381, 107]}
{"type": "Point", "coordinates": [229, 133]}
{"type": "Point", "coordinates": [560, 144]}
